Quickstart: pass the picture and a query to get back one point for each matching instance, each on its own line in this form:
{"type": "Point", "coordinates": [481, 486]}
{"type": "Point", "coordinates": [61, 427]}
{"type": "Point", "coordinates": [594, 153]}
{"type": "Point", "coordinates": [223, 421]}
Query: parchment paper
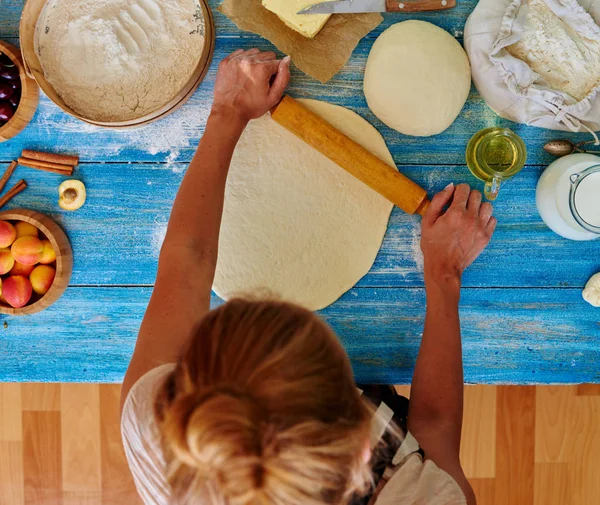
{"type": "Point", "coordinates": [321, 57]}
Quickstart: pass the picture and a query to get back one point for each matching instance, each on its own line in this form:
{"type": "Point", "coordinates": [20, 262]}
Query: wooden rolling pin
{"type": "Point", "coordinates": [349, 155]}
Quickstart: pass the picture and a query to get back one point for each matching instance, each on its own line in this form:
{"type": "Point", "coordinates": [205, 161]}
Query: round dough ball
{"type": "Point", "coordinates": [591, 293]}
{"type": "Point", "coordinates": [295, 224]}
{"type": "Point", "coordinates": [417, 78]}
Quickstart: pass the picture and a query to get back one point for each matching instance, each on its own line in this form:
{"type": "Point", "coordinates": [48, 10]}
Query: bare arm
{"type": "Point", "coordinates": [451, 241]}
{"type": "Point", "coordinates": [188, 258]}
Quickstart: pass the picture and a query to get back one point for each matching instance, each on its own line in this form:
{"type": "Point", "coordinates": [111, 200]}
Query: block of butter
{"type": "Point", "coordinates": [306, 24]}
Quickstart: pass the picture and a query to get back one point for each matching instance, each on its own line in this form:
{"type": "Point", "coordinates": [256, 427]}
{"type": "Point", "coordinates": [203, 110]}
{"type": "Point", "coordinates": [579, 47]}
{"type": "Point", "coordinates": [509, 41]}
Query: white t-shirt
{"type": "Point", "coordinates": [414, 482]}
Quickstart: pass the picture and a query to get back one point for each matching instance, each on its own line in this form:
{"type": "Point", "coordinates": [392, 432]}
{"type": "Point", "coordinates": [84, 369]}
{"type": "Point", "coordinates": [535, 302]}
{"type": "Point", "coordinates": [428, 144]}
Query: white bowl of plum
{"type": "Point", "coordinates": [19, 93]}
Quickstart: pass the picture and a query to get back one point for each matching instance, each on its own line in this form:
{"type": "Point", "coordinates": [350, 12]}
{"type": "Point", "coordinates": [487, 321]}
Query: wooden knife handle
{"type": "Point", "coordinates": [351, 156]}
{"type": "Point", "coordinates": [419, 5]}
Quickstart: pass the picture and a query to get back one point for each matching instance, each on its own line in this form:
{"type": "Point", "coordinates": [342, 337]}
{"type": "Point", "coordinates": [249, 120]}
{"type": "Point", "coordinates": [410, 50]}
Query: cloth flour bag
{"type": "Point", "coordinates": [538, 61]}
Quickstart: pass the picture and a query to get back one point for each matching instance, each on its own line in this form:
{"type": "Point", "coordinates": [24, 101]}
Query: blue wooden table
{"type": "Point", "coordinates": [523, 317]}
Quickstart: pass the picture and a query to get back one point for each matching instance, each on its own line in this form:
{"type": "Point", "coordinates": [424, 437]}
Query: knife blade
{"type": "Point", "coordinates": [358, 6]}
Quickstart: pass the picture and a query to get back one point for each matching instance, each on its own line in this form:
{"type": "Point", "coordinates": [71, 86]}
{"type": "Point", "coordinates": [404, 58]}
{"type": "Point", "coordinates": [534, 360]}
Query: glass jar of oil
{"type": "Point", "coordinates": [495, 155]}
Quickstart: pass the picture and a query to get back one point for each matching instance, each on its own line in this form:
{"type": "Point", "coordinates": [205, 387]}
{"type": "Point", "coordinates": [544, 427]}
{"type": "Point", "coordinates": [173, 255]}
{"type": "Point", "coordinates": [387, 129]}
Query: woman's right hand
{"type": "Point", "coordinates": [453, 239]}
{"type": "Point", "coordinates": [243, 88]}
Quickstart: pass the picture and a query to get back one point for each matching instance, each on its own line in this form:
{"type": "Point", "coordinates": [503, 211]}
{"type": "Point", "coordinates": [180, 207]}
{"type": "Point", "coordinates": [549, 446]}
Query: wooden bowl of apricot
{"type": "Point", "coordinates": [36, 262]}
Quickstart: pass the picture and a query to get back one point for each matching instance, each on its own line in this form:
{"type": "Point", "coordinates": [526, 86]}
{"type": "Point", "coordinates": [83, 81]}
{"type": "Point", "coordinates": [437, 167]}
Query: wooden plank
{"type": "Point", "coordinates": [515, 446]}
{"type": "Point", "coordinates": [485, 490]}
{"type": "Point", "coordinates": [176, 137]}
{"type": "Point", "coordinates": [117, 482]}
{"type": "Point", "coordinates": [10, 413]}
{"type": "Point", "coordinates": [42, 397]}
{"type": "Point", "coordinates": [588, 390]}
{"type": "Point", "coordinates": [85, 498]}
{"type": "Point", "coordinates": [403, 390]}
{"type": "Point", "coordinates": [553, 421]}
{"type": "Point", "coordinates": [117, 235]}
{"type": "Point", "coordinates": [552, 484]}
{"type": "Point", "coordinates": [478, 446]}
{"type": "Point", "coordinates": [508, 336]}
{"type": "Point", "coordinates": [42, 457]}
{"type": "Point", "coordinates": [584, 449]}
{"type": "Point", "coordinates": [11, 473]}
{"type": "Point", "coordinates": [80, 438]}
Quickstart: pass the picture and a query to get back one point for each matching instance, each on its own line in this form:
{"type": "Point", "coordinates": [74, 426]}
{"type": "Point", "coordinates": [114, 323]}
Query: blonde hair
{"type": "Point", "coordinates": [262, 410]}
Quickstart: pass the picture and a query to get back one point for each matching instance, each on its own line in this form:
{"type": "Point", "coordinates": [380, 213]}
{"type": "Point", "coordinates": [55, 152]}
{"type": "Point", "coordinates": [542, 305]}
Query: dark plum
{"type": "Point", "coordinates": [14, 101]}
{"type": "Point", "coordinates": [6, 90]}
{"type": "Point", "coordinates": [5, 61]}
{"type": "Point", "coordinates": [6, 111]}
{"type": "Point", "coordinates": [9, 73]}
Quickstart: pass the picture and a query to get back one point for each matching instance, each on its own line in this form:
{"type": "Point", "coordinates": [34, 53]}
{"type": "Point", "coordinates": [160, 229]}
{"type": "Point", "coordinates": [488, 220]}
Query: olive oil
{"type": "Point", "coordinates": [495, 155]}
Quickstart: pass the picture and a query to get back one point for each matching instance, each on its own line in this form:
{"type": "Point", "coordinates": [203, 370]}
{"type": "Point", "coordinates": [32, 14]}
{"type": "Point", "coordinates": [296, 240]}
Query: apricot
{"type": "Point", "coordinates": [48, 254]}
{"type": "Point", "coordinates": [27, 250]}
{"type": "Point", "coordinates": [6, 261]}
{"type": "Point", "coordinates": [25, 229]}
{"type": "Point", "coordinates": [42, 278]}
{"type": "Point", "coordinates": [20, 269]}
{"type": "Point", "coordinates": [72, 195]}
{"type": "Point", "coordinates": [17, 291]}
{"type": "Point", "coordinates": [8, 234]}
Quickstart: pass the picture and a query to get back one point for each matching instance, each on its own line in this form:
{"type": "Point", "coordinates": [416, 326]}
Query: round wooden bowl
{"type": "Point", "coordinates": [30, 96]}
{"type": "Point", "coordinates": [64, 259]}
{"type": "Point", "coordinates": [29, 18]}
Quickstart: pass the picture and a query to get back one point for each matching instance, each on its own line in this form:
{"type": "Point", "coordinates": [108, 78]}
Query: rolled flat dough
{"type": "Point", "coordinates": [417, 79]}
{"type": "Point", "coordinates": [295, 224]}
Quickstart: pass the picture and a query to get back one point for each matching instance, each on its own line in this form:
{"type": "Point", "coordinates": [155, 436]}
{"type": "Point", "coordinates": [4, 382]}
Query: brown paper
{"type": "Point", "coordinates": [321, 57]}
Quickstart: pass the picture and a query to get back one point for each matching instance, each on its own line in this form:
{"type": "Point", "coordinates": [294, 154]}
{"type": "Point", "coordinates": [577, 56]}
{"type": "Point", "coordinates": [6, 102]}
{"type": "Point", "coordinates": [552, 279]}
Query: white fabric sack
{"type": "Point", "coordinates": [508, 85]}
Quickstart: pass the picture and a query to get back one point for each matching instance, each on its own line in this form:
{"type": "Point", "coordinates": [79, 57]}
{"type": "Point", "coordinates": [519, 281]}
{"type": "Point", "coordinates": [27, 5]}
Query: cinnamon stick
{"type": "Point", "coordinates": [7, 175]}
{"type": "Point", "coordinates": [61, 159]}
{"type": "Point", "coordinates": [46, 166]}
{"type": "Point", "coordinates": [12, 192]}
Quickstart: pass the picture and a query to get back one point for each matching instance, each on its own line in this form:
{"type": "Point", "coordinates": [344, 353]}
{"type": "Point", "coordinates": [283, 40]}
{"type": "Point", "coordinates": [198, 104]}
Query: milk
{"type": "Point", "coordinates": [568, 198]}
{"type": "Point", "coordinates": [587, 199]}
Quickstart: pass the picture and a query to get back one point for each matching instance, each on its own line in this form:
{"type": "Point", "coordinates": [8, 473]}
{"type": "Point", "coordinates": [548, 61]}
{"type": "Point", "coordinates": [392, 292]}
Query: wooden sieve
{"type": "Point", "coordinates": [33, 67]}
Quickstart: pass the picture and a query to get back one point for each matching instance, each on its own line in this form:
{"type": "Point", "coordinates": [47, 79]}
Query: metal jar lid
{"type": "Point", "coordinates": [578, 183]}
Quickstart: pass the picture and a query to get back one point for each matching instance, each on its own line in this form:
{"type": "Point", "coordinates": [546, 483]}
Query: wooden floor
{"type": "Point", "coordinates": [60, 445]}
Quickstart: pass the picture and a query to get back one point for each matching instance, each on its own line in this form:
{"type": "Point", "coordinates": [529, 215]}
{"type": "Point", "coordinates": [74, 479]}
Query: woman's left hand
{"type": "Point", "coordinates": [243, 88]}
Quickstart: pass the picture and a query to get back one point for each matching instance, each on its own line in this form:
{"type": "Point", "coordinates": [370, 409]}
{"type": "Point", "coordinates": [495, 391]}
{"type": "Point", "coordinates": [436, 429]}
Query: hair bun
{"type": "Point", "coordinates": [219, 435]}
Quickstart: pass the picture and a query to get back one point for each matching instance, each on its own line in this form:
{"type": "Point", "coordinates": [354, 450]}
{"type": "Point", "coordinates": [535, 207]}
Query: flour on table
{"type": "Point", "coordinates": [176, 134]}
{"type": "Point", "coordinates": [158, 237]}
{"type": "Point", "coordinates": [567, 61]}
{"type": "Point", "coordinates": [117, 60]}
{"type": "Point", "coordinates": [415, 247]}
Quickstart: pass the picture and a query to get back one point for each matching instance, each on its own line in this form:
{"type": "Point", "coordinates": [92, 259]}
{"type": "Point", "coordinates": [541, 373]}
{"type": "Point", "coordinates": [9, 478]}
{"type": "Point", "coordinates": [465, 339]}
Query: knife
{"type": "Point", "coordinates": [356, 6]}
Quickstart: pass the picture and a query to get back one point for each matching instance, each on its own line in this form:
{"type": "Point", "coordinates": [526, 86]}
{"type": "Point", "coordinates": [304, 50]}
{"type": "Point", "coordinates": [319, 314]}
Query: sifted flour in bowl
{"type": "Point", "coordinates": [118, 60]}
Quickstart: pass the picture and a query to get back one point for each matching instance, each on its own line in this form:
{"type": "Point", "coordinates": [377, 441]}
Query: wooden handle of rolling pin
{"type": "Point", "coordinates": [351, 156]}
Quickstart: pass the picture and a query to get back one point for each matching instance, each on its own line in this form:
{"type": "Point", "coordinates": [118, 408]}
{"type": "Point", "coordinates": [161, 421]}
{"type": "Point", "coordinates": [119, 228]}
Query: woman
{"type": "Point", "coordinates": [254, 402]}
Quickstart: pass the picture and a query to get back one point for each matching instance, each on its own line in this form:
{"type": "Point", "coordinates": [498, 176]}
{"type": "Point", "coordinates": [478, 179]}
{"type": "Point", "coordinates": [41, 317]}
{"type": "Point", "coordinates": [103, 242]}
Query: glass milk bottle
{"type": "Point", "coordinates": [568, 197]}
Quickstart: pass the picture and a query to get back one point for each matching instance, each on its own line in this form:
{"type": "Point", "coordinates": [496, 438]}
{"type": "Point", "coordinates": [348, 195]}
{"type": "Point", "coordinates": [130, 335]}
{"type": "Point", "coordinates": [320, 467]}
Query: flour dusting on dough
{"type": "Point", "coordinates": [294, 222]}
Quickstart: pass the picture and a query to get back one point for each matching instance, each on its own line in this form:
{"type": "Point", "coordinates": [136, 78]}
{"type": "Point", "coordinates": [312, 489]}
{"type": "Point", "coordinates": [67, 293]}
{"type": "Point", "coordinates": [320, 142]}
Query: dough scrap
{"type": "Point", "coordinates": [295, 224]}
{"type": "Point", "coordinates": [591, 293]}
{"type": "Point", "coordinates": [417, 79]}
